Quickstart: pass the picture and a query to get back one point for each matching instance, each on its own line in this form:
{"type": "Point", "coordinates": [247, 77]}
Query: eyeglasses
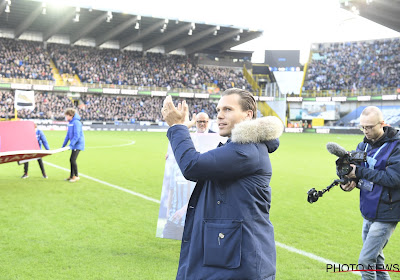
{"type": "Point", "coordinates": [202, 122]}
{"type": "Point", "coordinates": [368, 127]}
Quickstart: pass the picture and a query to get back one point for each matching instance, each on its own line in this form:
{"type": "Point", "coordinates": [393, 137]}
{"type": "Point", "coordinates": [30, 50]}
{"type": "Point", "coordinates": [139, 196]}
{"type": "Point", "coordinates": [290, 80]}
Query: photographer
{"type": "Point", "coordinates": [379, 182]}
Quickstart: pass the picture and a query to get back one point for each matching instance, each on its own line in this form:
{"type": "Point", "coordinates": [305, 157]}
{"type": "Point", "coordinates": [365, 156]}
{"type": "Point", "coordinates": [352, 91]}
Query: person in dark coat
{"type": "Point", "coordinates": [77, 141]}
{"type": "Point", "coordinates": [228, 233]}
{"type": "Point", "coordinates": [41, 138]}
{"type": "Point", "coordinates": [379, 182]}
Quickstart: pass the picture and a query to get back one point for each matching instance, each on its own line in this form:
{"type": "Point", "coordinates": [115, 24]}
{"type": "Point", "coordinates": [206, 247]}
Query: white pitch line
{"type": "Point", "coordinates": [309, 255]}
{"type": "Point", "coordinates": [286, 247]}
{"type": "Point", "coordinates": [107, 184]}
{"type": "Point", "coordinates": [112, 146]}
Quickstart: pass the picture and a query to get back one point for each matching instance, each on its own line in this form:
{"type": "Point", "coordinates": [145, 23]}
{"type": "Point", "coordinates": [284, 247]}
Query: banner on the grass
{"type": "Point", "coordinates": [24, 99]}
{"type": "Point", "coordinates": [27, 155]}
{"type": "Point", "coordinates": [18, 135]}
{"type": "Point", "coordinates": [176, 190]}
{"type": "Point", "coordinates": [18, 142]}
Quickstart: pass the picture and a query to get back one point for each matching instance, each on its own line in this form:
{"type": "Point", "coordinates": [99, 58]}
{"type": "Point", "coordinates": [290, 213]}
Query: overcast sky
{"type": "Point", "coordinates": [287, 24]}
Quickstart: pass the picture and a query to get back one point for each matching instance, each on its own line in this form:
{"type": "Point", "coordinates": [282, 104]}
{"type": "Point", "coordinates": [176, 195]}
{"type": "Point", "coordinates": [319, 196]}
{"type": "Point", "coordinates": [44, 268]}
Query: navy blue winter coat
{"type": "Point", "coordinates": [75, 134]}
{"type": "Point", "coordinates": [228, 234]}
{"type": "Point", "coordinates": [383, 202]}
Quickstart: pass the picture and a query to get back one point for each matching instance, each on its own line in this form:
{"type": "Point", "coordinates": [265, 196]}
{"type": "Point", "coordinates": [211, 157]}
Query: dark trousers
{"type": "Point", "coordinates": [40, 161]}
{"type": "Point", "coordinates": [72, 160]}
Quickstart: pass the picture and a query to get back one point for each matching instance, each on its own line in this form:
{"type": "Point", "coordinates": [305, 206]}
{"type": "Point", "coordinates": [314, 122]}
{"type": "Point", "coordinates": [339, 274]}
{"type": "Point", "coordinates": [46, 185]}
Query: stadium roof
{"type": "Point", "coordinates": [21, 16]}
{"type": "Point", "coordinates": [384, 12]}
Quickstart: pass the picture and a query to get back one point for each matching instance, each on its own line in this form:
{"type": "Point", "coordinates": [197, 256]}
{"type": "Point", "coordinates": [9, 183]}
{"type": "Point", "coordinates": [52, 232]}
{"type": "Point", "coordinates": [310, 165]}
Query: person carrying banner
{"type": "Point", "coordinates": [42, 141]}
{"type": "Point", "coordinates": [77, 141]}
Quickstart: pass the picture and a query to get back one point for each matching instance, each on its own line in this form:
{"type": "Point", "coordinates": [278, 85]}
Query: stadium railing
{"type": "Point", "coordinates": [359, 92]}
{"type": "Point", "coordinates": [26, 81]}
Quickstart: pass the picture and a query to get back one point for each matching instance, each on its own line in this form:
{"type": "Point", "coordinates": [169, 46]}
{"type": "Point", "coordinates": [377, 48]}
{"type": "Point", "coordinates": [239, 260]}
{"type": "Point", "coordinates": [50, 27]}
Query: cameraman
{"type": "Point", "coordinates": [379, 182]}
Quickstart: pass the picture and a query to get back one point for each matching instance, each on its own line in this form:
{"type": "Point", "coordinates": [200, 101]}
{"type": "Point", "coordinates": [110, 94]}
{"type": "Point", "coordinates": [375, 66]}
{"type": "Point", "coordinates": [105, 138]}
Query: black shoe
{"type": "Point", "coordinates": [24, 176]}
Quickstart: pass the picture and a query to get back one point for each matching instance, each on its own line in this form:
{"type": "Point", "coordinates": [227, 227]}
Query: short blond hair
{"type": "Point", "coordinates": [373, 111]}
{"type": "Point", "coordinates": [70, 112]}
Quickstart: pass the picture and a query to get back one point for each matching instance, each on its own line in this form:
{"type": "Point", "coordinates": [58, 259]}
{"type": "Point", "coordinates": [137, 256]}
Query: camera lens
{"type": "Point", "coordinates": [312, 195]}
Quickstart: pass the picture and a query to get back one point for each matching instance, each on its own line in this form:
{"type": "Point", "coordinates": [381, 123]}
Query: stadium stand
{"type": "Point", "coordinates": [367, 67]}
{"type": "Point", "coordinates": [24, 60]}
{"type": "Point", "coordinates": [98, 108]}
{"type": "Point", "coordinates": [105, 108]}
{"type": "Point", "coordinates": [154, 70]}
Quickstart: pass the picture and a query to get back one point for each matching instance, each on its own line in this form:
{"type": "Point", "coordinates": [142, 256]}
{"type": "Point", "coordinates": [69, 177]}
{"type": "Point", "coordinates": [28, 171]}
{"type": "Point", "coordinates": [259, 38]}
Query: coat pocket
{"type": "Point", "coordinates": [222, 243]}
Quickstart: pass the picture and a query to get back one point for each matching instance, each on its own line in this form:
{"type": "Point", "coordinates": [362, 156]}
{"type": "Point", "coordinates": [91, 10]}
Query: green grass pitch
{"type": "Point", "coordinates": [53, 229]}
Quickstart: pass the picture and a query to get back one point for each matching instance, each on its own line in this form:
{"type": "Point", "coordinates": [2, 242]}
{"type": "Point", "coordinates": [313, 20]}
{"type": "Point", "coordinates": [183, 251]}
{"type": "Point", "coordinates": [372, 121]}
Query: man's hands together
{"type": "Point", "coordinates": [177, 115]}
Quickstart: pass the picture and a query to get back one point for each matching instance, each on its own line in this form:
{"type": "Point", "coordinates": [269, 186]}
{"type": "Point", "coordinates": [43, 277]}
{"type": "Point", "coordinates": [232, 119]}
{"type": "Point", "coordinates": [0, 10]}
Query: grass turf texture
{"type": "Point", "coordinates": [52, 229]}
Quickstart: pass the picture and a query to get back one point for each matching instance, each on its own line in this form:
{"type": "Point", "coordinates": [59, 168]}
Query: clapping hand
{"type": "Point", "coordinates": [173, 115]}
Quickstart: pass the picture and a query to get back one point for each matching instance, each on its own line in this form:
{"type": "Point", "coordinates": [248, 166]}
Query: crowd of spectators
{"type": "Point", "coordinates": [6, 105]}
{"type": "Point", "coordinates": [225, 78]}
{"type": "Point", "coordinates": [24, 60]}
{"type": "Point", "coordinates": [47, 106]}
{"type": "Point", "coordinates": [110, 108]}
{"type": "Point", "coordinates": [99, 107]}
{"type": "Point", "coordinates": [110, 66]}
{"type": "Point", "coordinates": [31, 60]}
{"type": "Point", "coordinates": [369, 65]}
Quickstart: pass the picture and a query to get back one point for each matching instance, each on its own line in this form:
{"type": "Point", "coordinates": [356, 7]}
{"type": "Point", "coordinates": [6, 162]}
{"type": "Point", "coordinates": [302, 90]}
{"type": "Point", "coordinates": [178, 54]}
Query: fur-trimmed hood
{"type": "Point", "coordinates": [265, 129]}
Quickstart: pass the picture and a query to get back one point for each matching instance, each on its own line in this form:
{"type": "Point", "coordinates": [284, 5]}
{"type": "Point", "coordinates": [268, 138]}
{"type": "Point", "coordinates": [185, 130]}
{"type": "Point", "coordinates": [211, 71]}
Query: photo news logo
{"type": "Point", "coordinates": [336, 268]}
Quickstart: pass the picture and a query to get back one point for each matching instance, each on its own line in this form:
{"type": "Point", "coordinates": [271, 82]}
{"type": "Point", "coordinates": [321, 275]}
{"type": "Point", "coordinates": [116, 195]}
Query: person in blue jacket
{"type": "Point", "coordinates": [227, 233]}
{"type": "Point", "coordinates": [41, 138]}
{"type": "Point", "coordinates": [76, 139]}
{"type": "Point", "coordinates": [379, 182]}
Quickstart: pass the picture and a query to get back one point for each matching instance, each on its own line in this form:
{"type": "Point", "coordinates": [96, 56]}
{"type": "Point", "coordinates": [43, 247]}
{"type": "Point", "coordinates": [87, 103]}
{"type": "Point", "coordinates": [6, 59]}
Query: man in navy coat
{"type": "Point", "coordinates": [227, 234]}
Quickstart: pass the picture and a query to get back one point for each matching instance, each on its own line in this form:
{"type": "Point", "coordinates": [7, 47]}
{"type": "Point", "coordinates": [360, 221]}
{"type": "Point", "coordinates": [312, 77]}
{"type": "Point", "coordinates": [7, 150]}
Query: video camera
{"type": "Point", "coordinates": [343, 168]}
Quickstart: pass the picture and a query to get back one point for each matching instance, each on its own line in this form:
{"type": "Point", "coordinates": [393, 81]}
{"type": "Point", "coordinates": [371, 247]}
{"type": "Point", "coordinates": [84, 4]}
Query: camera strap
{"type": "Point", "coordinates": [371, 161]}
